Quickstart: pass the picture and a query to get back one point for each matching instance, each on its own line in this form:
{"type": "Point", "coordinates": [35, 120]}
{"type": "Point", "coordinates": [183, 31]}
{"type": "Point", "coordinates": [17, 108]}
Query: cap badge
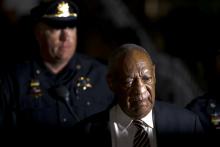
{"type": "Point", "coordinates": [62, 11]}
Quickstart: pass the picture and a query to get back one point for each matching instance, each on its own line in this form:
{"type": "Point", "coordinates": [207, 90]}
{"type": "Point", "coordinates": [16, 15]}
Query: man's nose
{"type": "Point", "coordinates": [64, 34]}
{"type": "Point", "coordinates": [138, 86]}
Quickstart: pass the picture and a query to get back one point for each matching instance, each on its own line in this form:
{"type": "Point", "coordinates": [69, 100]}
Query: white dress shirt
{"type": "Point", "coordinates": [123, 130]}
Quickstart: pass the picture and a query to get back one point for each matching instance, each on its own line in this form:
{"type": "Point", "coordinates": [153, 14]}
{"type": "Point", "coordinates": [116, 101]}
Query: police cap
{"type": "Point", "coordinates": [56, 13]}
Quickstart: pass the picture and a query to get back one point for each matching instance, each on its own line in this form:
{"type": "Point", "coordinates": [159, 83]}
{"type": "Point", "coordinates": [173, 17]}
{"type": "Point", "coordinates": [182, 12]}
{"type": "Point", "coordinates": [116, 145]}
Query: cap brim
{"type": "Point", "coordinates": [60, 22]}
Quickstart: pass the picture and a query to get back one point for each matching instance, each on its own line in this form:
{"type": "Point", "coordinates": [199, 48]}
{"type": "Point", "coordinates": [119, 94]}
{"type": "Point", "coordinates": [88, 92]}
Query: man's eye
{"type": "Point", "coordinates": [128, 83]}
{"type": "Point", "coordinates": [146, 78]}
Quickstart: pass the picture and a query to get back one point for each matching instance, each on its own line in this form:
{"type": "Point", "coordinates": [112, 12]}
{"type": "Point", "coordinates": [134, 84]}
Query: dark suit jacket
{"type": "Point", "coordinates": [172, 126]}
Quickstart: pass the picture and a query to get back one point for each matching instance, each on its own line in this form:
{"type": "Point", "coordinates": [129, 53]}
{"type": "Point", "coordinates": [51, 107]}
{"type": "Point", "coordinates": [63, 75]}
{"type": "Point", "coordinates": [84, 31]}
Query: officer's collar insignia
{"type": "Point", "coordinates": [215, 119]}
{"type": "Point", "coordinates": [84, 83]}
{"type": "Point", "coordinates": [62, 11]}
{"type": "Point", "coordinates": [35, 89]}
{"type": "Point", "coordinates": [214, 114]}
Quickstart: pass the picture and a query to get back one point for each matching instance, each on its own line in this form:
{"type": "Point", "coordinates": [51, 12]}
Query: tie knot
{"type": "Point", "coordinates": [139, 123]}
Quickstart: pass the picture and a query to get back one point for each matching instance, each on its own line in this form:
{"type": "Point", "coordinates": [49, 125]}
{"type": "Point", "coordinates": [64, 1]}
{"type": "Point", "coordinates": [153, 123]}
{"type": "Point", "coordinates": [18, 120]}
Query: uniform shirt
{"type": "Point", "coordinates": [207, 107]}
{"type": "Point", "coordinates": [29, 97]}
{"type": "Point", "coordinates": [123, 131]}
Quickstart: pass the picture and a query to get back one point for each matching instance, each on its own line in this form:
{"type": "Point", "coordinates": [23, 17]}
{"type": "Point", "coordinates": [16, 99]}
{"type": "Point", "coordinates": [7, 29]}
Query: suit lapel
{"type": "Point", "coordinates": [101, 130]}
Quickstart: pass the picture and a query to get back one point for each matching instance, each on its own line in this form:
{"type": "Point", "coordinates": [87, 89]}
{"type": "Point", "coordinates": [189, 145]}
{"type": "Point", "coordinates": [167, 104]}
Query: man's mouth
{"type": "Point", "coordinates": [138, 99]}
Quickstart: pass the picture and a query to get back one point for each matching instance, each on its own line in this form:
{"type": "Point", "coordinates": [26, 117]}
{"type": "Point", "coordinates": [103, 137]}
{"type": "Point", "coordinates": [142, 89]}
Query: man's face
{"type": "Point", "coordinates": [135, 84]}
{"type": "Point", "coordinates": [56, 44]}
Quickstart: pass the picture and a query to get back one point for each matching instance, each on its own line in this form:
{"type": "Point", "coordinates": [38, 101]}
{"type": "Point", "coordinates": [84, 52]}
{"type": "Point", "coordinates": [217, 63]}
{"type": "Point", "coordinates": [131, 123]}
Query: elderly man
{"type": "Point", "coordinates": [137, 119]}
{"type": "Point", "coordinates": [58, 87]}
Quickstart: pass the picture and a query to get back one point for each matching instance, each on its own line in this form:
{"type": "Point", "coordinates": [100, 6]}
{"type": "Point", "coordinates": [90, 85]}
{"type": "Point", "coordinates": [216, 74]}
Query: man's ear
{"type": "Point", "coordinates": [37, 32]}
{"type": "Point", "coordinates": [109, 81]}
{"type": "Point", "coordinates": [154, 74]}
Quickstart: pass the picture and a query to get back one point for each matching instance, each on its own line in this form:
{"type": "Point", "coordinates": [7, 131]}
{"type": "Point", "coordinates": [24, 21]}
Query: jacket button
{"type": "Point", "coordinates": [64, 120]}
{"type": "Point", "coordinates": [38, 71]}
{"type": "Point", "coordinates": [67, 99]}
{"type": "Point", "coordinates": [88, 103]}
{"type": "Point", "coordinates": [78, 66]}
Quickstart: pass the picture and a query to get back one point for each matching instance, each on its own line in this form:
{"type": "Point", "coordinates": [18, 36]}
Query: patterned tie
{"type": "Point", "coordinates": [141, 138]}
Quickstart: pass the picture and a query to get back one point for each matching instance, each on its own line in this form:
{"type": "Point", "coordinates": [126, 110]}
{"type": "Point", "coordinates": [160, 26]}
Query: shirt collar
{"type": "Point", "coordinates": [73, 62]}
{"type": "Point", "coordinates": [125, 121]}
{"type": "Point", "coordinates": [71, 65]}
{"type": "Point", "coordinates": [120, 117]}
{"type": "Point", "coordinates": [148, 120]}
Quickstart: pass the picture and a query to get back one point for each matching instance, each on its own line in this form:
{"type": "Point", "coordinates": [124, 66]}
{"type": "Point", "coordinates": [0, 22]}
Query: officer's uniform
{"type": "Point", "coordinates": [36, 97]}
{"type": "Point", "coordinates": [31, 96]}
{"type": "Point", "coordinates": [207, 107]}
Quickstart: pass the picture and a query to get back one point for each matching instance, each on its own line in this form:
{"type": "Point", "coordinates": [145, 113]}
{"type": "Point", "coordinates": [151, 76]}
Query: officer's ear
{"type": "Point", "coordinates": [38, 30]}
{"type": "Point", "coordinates": [110, 81]}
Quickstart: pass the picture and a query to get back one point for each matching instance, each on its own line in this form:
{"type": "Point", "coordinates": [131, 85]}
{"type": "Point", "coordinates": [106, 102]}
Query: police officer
{"type": "Point", "coordinates": [58, 87]}
{"type": "Point", "coordinates": [207, 106]}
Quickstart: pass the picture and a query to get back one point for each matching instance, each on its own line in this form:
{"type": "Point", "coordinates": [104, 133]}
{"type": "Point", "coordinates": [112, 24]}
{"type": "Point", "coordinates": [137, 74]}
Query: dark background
{"type": "Point", "coordinates": [181, 35]}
